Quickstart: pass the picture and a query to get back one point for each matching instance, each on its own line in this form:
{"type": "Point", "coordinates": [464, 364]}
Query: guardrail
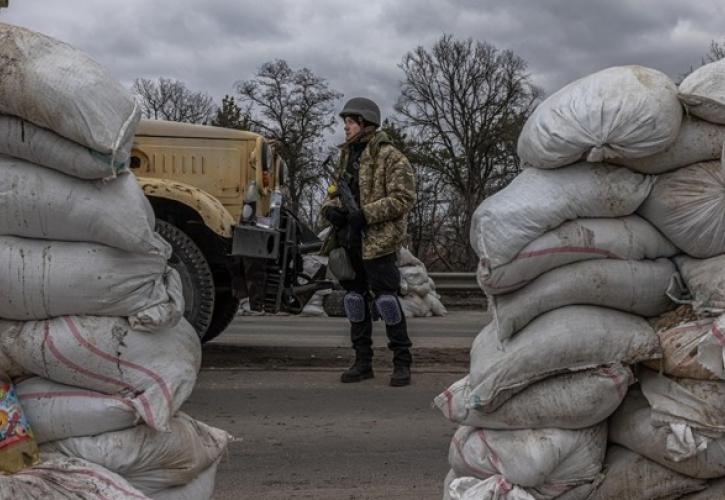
{"type": "Point", "coordinates": [460, 282]}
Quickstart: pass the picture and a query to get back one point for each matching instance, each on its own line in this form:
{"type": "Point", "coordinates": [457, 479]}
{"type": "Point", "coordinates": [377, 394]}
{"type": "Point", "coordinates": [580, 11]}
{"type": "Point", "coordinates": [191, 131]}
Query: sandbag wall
{"type": "Point", "coordinates": [91, 325]}
{"type": "Point", "coordinates": [604, 255]}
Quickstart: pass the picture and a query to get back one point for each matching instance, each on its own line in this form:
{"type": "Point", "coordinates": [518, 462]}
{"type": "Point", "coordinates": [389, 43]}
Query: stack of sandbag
{"type": "Point", "coordinates": [572, 272]}
{"type": "Point", "coordinates": [418, 295]}
{"type": "Point", "coordinates": [91, 325]}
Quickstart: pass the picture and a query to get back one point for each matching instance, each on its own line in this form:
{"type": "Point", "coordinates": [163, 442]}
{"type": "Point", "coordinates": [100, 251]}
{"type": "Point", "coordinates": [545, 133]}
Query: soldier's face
{"type": "Point", "coordinates": [352, 128]}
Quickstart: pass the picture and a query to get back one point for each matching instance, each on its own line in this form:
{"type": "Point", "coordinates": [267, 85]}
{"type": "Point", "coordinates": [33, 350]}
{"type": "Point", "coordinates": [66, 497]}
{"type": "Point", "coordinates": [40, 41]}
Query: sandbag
{"type": "Point", "coordinates": [62, 478]}
{"type": "Point", "coordinates": [567, 339]}
{"type": "Point", "coordinates": [201, 488]}
{"type": "Point", "coordinates": [496, 487]}
{"type": "Point", "coordinates": [547, 459]}
{"type": "Point", "coordinates": [148, 459]}
{"type": "Point", "coordinates": [705, 282]}
{"type": "Point", "coordinates": [633, 477]}
{"type": "Point", "coordinates": [538, 201]}
{"type": "Point", "coordinates": [436, 306]}
{"type": "Point", "coordinates": [688, 207]}
{"type": "Point", "coordinates": [618, 112]}
{"type": "Point", "coordinates": [56, 86]}
{"type": "Point", "coordinates": [155, 371]}
{"type": "Point", "coordinates": [636, 286]}
{"type": "Point", "coordinates": [315, 306]}
{"type": "Point", "coordinates": [43, 279]}
{"type": "Point", "coordinates": [632, 427]}
{"type": "Point", "coordinates": [22, 139]}
{"type": "Point", "coordinates": [697, 141]}
{"type": "Point", "coordinates": [37, 202]}
{"type": "Point", "coordinates": [715, 491]}
{"type": "Point", "coordinates": [414, 306]}
{"type": "Point", "coordinates": [711, 349]}
{"type": "Point", "coordinates": [699, 404]}
{"type": "Point", "coordinates": [703, 92]}
{"type": "Point", "coordinates": [680, 345]}
{"type": "Point", "coordinates": [567, 401]}
{"type": "Point", "coordinates": [57, 411]}
{"type": "Point", "coordinates": [626, 238]}
{"type": "Point", "coordinates": [405, 258]}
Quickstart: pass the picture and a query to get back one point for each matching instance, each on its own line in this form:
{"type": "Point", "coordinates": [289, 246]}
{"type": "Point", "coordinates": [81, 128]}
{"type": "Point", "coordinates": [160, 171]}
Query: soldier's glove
{"type": "Point", "coordinates": [357, 221]}
{"type": "Point", "coordinates": [337, 216]}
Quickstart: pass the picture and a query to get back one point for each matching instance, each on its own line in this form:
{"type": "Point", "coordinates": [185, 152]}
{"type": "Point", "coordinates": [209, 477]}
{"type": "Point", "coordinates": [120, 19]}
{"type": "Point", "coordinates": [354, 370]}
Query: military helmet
{"type": "Point", "coordinates": [362, 106]}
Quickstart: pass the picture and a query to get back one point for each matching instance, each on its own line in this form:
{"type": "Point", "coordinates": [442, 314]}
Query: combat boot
{"type": "Point", "coordinates": [401, 375]}
{"type": "Point", "coordinates": [361, 370]}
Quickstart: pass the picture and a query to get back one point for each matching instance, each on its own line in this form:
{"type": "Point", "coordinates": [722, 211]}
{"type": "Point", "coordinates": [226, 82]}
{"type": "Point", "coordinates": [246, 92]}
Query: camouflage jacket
{"type": "Point", "coordinates": [387, 193]}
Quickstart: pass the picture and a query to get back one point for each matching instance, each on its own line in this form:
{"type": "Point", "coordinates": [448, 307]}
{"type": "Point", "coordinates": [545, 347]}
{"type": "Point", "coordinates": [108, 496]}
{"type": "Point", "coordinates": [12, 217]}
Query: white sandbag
{"type": "Point", "coordinates": [550, 460]}
{"type": "Point", "coordinates": [435, 304]}
{"type": "Point", "coordinates": [705, 281]}
{"type": "Point", "coordinates": [538, 201]}
{"type": "Point", "coordinates": [414, 306]}
{"type": "Point", "coordinates": [201, 488]}
{"type": "Point", "coordinates": [697, 141]}
{"type": "Point", "coordinates": [567, 401]}
{"type": "Point", "coordinates": [62, 478]}
{"type": "Point", "coordinates": [43, 279]}
{"type": "Point", "coordinates": [414, 275]}
{"type": "Point", "coordinates": [311, 264]}
{"type": "Point", "coordinates": [711, 349]}
{"type": "Point", "coordinates": [626, 238]}
{"type": "Point", "coordinates": [715, 491]}
{"type": "Point", "coordinates": [688, 207]}
{"type": "Point", "coordinates": [57, 411]}
{"type": "Point", "coordinates": [22, 139]}
{"type": "Point", "coordinates": [148, 459]}
{"type": "Point", "coordinates": [568, 339]}
{"type": "Point", "coordinates": [699, 404]}
{"type": "Point", "coordinates": [405, 258]}
{"type": "Point", "coordinates": [37, 202]}
{"type": "Point", "coordinates": [315, 306]}
{"type": "Point", "coordinates": [618, 112]}
{"type": "Point", "coordinates": [632, 427]}
{"type": "Point", "coordinates": [636, 286]}
{"type": "Point", "coordinates": [679, 350]}
{"type": "Point", "coordinates": [703, 92]}
{"type": "Point", "coordinates": [496, 488]}
{"type": "Point", "coordinates": [155, 371]}
{"type": "Point", "coordinates": [633, 477]}
{"type": "Point", "coordinates": [56, 86]}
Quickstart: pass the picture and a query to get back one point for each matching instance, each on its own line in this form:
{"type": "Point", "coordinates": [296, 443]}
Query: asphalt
{"type": "Point", "coordinates": [283, 342]}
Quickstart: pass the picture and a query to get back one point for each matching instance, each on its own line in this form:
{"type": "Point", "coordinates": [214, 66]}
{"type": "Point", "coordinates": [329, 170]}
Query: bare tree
{"type": "Point", "coordinates": [294, 107]}
{"type": "Point", "coordinates": [168, 99]}
{"type": "Point", "coordinates": [464, 104]}
{"type": "Point", "coordinates": [230, 115]}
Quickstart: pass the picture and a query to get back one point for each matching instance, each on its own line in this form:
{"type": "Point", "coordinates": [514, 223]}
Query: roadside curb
{"type": "Point", "coordinates": [229, 356]}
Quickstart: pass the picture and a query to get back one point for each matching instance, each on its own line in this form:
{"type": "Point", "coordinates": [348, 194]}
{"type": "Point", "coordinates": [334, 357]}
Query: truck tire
{"type": "Point", "coordinates": [196, 276]}
{"type": "Point", "coordinates": [225, 310]}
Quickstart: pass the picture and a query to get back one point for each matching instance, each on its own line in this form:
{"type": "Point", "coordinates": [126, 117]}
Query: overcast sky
{"type": "Point", "coordinates": [357, 45]}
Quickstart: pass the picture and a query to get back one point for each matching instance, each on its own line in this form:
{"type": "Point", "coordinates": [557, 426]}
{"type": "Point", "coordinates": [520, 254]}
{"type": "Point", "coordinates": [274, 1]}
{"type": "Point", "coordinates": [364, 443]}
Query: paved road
{"type": "Point", "coordinates": [303, 435]}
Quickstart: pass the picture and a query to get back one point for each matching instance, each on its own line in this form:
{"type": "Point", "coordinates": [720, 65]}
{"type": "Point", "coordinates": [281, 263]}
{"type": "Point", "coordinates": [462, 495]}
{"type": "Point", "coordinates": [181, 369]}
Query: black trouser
{"type": "Point", "coordinates": [379, 276]}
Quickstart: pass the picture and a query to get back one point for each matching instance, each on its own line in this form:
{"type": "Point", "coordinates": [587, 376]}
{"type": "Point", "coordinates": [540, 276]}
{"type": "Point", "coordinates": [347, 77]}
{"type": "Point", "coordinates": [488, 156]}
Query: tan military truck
{"type": "Point", "coordinates": [218, 198]}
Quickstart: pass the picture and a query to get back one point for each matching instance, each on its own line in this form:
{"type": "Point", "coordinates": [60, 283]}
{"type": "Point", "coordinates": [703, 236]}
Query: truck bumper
{"type": "Point", "coordinates": [255, 241]}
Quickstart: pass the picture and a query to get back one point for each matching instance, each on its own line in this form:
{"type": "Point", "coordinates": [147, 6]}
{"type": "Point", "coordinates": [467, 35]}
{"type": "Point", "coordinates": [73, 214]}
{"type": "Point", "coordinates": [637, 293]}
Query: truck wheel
{"type": "Point", "coordinates": [196, 276]}
{"type": "Point", "coordinates": [225, 310]}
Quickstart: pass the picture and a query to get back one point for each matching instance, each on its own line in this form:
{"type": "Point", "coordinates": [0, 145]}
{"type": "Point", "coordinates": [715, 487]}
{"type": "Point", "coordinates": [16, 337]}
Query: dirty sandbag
{"type": "Point", "coordinates": [705, 282]}
{"type": "Point", "coordinates": [37, 202]}
{"type": "Point", "coordinates": [155, 371]}
{"type": "Point", "coordinates": [703, 94]}
{"type": "Point", "coordinates": [631, 426]}
{"type": "Point", "coordinates": [62, 478]}
{"type": "Point", "coordinates": [715, 491]}
{"type": "Point", "coordinates": [711, 349]}
{"type": "Point", "coordinates": [565, 340]}
{"type": "Point", "coordinates": [697, 141]}
{"type": "Point", "coordinates": [200, 488]}
{"type": "Point", "coordinates": [415, 306]}
{"type": "Point", "coordinates": [618, 112]}
{"type": "Point", "coordinates": [45, 279]}
{"type": "Point", "coordinates": [538, 201]}
{"type": "Point", "coordinates": [149, 459]}
{"type": "Point", "coordinates": [633, 477]}
{"type": "Point", "coordinates": [18, 446]}
{"type": "Point", "coordinates": [22, 139]}
{"type": "Point", "coordinates": [58, 411]}
{"type": "Point", "coordinates": [566, 401]}
{"type": "Point", "coordinates": [635, 286]}
{"type": "Point", "coordinates": [546, 459]}
{"type": "Point", "coordinates": [55, 86]}
{"type": "Point", "coordinates": [625, 238]}
{"type": "Point", "coordinates": [688, 207]}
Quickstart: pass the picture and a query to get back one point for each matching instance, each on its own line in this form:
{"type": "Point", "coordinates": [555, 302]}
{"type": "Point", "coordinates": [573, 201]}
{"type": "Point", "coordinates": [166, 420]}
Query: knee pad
{"type": "Point", "coordinates": [355, 305]}
{"type": "Point", "coordinates": [389, 309]}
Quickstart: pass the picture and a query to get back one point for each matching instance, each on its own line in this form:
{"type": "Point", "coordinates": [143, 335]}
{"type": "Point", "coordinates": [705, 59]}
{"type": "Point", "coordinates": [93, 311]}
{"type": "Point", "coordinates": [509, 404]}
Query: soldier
{"type": "Point", "coordinates": [383, 185]}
